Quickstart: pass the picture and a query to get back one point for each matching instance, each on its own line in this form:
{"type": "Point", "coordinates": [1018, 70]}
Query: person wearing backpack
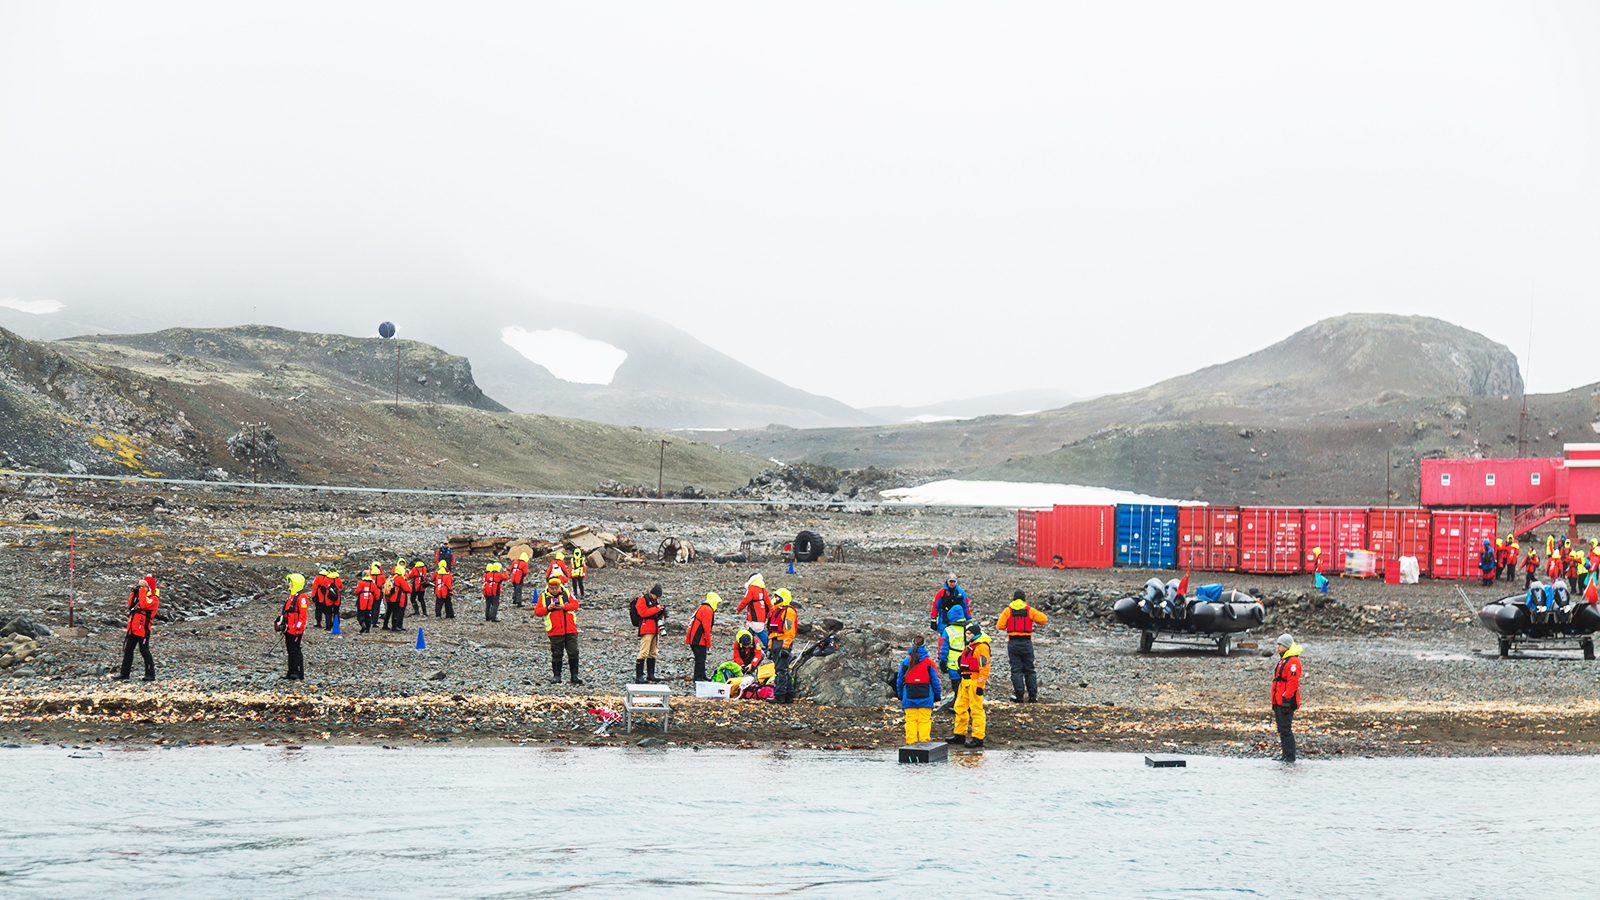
{"type": "Point", "coordinates": [698, 636]}
{"type": "Point", "coordinates": [445, 555]}
{"type": "Point", "coordinates": [333, 591]}
{"type": "Point", "coordinates": [493, 577]}
{"type": "Point", "coordinates": [646, 614]}
{"type": "Point", "coordinates": [395, 594]}
{"type": "Point", "coordinates": [973, 665]}
{"type": "Point", "coordinates": [443, 582]}
{"type": "Point", "coordinates": [917, 686]}
{"type": "Point", "coordinates": [296, 610]}
{"type": "Point", "coordinates": [949, 605]}
{"type": "Point", "coordinates": [143, 604]}
{"type": "Point", "coordinates": [419, 588]}
{"type": "Point", "coordinates": [559, 608]}
{"type": "Point", "coordinates": [317, 599]}
{"type": "Point", "coordinates": [519, 574]}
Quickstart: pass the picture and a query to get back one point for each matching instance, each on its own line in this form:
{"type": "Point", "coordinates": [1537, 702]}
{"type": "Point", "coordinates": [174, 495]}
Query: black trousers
{"type": "Point", "coordinates": [443, 607]}
{"type": "Point", "coordinates": [297, 661]}
{"type": "Point", "coordinates": [516, 593]}
{"type": "Point", "coordinates": [321, 611]}
{"type": "Point", "coordinates": [397, 618]}
{"type": "Point", "coordinates": [569, 644]}
{"type": "Point", "coordinates": [699, 661]}
{"type": "Point", "coordinates": [1285, 719]}
{"type": "Point", "coordinates": [419, 599]}
{"type": "Point", "coordinates": [1019, 653]}
{"type": "Point", "coordinates": [577, 586]}
{"type": "Point", "coordinates": [783, 677]}
{"type": "Point", "coordinates": [364, 616]}
{"type": "Point", "coordinates": [143, 643]}
{"type": "Point", "coordinates": [491, 608]}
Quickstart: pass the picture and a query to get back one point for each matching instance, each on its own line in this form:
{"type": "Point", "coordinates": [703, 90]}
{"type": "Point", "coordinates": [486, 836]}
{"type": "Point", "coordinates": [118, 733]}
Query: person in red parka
{"type": "Point", "coordinates": [559, 608]}
{"type": "Point", "coordinates": [396, 594]}
{"type": "Point", "coordinates": [519, 574]}
{"type": "Point", "coordinates": [419, 588]}
{"type": "Point", "coordinates": [296, 610]}
{"type": "Point", "coordinates": [699, 635]}
{"type": "Point", "coordinates": [143, 604]}
{"type": "Point", "coordinates": [493, 578]}
{"type": "Point", "coordinates": [318, 600]}
{"type": "Point", "coordinates": [443, 583]}
{"type": "Point", "coordinates": [1286, 693]}
{"type": "Point", "coordinates": [757, 607]}
{"type": "Point", "coordinates": [367, 592]}
{"type": "Point", "coordinates": [649, 611]}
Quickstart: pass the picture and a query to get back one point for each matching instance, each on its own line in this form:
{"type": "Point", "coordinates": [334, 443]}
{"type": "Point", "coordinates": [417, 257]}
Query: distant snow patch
{"type": "Point", "coordinates": [33, 307]}
{"type": "Point", "coordinates": [932, 417]}
{"type": "Point", "coordinates": [568, 356]}
{"type": "Point", "coordinates": [1019, 495]}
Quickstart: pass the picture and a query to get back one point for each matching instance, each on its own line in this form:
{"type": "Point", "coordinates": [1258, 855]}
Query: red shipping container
{"type": "Point", "coordinates": [1492, 482]}
{"type": "Point", "coordinates": [1457, 539]}
{"type": "Point", "coordinates": [1085, 537]}
{"type": "Point", "coordinates": [1393, 533]}
{"type": "Point", "coordinates": [1208, 538]}
{"type": "Point", "coordinates": [1335, 530]}
{"type": "Point", "coordinates": [1269, 540]}
{"type": "Point", "coordinates": [1030, 522]}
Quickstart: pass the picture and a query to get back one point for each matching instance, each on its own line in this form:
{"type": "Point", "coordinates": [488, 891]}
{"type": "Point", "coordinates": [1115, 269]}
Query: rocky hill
{"type": "Point", "coordinates": [1314, 418]}
{"type": "Point", "coordinates": [228, 406]}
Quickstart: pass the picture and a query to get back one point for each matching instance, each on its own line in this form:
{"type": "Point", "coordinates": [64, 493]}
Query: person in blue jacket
{"type": "Point", "coordinates": [949, 605]}
{"type": "Point", "coordinates": [917, 685]}
{"type": "Point", "coordinates": [950, 647]}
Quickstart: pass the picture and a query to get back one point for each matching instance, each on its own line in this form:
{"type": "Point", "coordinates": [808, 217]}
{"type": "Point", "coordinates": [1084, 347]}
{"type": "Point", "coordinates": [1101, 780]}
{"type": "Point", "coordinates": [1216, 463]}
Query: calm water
{"type": "Point", "coordinates": [360, 822]}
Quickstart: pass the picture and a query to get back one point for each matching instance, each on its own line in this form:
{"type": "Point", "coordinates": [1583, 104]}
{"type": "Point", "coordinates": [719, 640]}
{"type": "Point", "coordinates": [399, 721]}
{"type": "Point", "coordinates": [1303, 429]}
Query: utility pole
{"type": "Point", "coordinates": [396, 376]}
{"type": "Point", "coordinates": [1388, 469]}
{"type": "Point", "coordinates": [72, 548]}
{"type": "Point", "coordinates": [661, 470]}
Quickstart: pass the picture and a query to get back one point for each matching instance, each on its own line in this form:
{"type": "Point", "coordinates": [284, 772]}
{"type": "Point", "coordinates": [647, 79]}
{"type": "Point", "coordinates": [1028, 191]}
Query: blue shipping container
{"type": "Point", "coordinates": [1147, 536]}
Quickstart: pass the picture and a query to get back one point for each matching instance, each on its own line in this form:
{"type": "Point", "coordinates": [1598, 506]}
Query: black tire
{"type": "Point", "coordinates": [1146, 641]}
{"type": "Point", "coordinates": [1588, 648]}
{"type": "Point", "coordinates": [1505, 647]}
{"type": "Point", "coordinates": [807, 546]}
{"type": "Point", "coordinates": [1222, 644]}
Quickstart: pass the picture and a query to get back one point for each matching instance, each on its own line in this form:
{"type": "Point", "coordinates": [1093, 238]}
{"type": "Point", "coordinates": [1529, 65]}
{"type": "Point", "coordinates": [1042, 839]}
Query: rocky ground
{"type": "Point", "coordinates": [1390, 669]}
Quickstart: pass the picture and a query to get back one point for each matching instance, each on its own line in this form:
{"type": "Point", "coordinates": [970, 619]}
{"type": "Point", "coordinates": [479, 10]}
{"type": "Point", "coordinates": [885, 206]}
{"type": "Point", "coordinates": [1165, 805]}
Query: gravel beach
{"type": "Point", "coordinates": [1390, 669]}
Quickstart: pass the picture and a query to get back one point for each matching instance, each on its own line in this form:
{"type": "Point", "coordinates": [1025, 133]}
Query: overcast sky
{"type": "Point", "coordinates": [881, 202]}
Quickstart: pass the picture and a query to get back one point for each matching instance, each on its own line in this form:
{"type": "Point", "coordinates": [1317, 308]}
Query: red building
{"type": "Point", "coordinates": [1549, 490]}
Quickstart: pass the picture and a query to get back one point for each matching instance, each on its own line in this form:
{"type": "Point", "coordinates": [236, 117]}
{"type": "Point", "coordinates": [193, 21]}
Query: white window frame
{"type": "Point", "coordinates": [1488, 479]}
{"type": "Point", "coordinates": [1533, 478]}
{"type": "Point", "coordinates": [1444, 479]}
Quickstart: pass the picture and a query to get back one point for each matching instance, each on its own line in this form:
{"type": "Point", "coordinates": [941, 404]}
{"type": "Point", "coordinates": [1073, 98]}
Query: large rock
{"type": "Point", "coordinates": [859, 673]}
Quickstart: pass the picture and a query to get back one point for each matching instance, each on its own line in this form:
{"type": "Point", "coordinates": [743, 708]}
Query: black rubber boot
{"type": "Point", "coordinates": [555, 670]}
{"type": "Point", "coordinates": [638, 671]}
{"type": "Point", "coordinates": [974, 743]}
{"type": "Point", "coordinates": [955, 739]}
{"type": "Point", "coordinates": [650, 671]}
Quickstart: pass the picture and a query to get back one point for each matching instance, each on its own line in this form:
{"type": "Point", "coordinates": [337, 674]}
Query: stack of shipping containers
{"type": "Point", "coordinates": [1266, 540]}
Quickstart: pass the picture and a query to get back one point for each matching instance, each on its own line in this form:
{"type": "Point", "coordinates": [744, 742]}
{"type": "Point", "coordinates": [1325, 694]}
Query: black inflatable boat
{"type": "Point", "coordinates": [1212, 614]}
{"type": "Point", "coordinates": [1545, 613]}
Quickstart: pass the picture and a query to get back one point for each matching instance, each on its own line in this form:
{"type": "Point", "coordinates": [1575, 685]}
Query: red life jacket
{"type": "Point", "coordinates": [968, 664]}
{"type": "Point", "coordinates": [1019, 622]}
{"type": "Point", "coordinates": [921, 673]}
{"type": "Point", "coordinates": [441, 585]}
{"type": "Point", "coordinates": [775, 620]}
{"type": "Point", "coordinates": [366, 594]}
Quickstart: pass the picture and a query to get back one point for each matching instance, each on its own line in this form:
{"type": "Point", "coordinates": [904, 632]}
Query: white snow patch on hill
{"type": "Point", "coordinates": [34, 307]}
{"type": "Point", "coordinates": [1019, 495]}
{"type": "Point", "coordinates": [567, 356]}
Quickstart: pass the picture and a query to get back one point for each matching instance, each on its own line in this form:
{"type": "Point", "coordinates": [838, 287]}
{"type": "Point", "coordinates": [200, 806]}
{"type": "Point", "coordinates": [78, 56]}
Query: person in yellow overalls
{"type": "Point", "coordinates": [974, 669]}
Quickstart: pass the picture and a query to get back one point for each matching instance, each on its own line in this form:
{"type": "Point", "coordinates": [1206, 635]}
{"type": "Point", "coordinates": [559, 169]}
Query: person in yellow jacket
{"type": "Point", "coordinates": [974, 668]}
{"type": "Point", "coordinates": [783, 623]}
{"type": "Point", "coordinates": [580, 568]}
{"type": "Point", "coordinates": [1017, 621]}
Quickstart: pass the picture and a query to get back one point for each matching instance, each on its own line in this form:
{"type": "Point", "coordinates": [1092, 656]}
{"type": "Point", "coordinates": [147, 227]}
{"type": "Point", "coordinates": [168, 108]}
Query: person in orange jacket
{"type": "Point", "coordinates": [698, 636]}
{"type": "Point", "coordinates": [757, 607]}
{"type": "Point", "coordinates": [782, 626]}
{"type": "Point", "coordinates": [558, 566]}
{"type": "Point", "coordinates": [1530, 567]}
{"type": "Point", "coordinates": [519, 574]}
{"type": "Point", "coordinates": [493, 578]}
{"type": "Point", "coordinates": [296, 610]}
{"type": "Point", "coordinates": [649, 612]}
{"type": "Point", "coordinates": [395, 594]}
{"type": "Point", "coordinates": [443, 583]}
{"type": "Point", "coordinates": [559, 607]}
{"type": "Point", "coordinates": [1017, 621]}
{"type": "Point", "coordinates": [318, 601]}
{"type": "Point", "coordinates": [143, 604]}
{"type": "Point", "coordinates": [367, 592]}
{"type": "Point", "coordinates": [1286, 693]}
{"type": "Point", "coordinates": [973, 664]}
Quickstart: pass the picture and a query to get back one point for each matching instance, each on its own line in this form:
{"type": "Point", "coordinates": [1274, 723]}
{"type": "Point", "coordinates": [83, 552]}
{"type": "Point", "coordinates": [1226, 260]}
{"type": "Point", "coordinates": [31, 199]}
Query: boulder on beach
{"type": "Point", "coordinates": [859, 673]}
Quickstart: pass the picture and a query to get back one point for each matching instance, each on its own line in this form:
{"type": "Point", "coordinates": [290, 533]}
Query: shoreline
{"type": "Point", "coordinates": [172, 716]}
